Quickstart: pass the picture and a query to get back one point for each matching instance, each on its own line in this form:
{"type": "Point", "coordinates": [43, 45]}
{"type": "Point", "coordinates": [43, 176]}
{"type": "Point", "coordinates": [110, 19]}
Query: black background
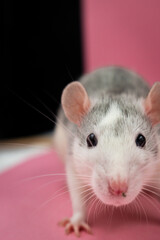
{"type": "Point", "coordinates": [41, 53]}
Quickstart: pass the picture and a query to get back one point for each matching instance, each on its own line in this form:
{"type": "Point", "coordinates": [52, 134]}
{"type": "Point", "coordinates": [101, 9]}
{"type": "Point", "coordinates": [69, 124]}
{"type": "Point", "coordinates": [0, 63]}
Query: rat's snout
{"type": "Point", "coordinates": [117, 187]}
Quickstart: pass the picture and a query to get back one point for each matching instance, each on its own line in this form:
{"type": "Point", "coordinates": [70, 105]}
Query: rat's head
{"type": "Point", "coordinates": [116, 141]}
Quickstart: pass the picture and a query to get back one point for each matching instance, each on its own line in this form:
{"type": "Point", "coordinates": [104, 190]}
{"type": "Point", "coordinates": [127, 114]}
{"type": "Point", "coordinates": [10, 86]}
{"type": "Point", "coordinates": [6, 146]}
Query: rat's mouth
{"type": "Point", "coordinates": [116, 200]}
{"type": "Point", "coordinates": [117, 192]}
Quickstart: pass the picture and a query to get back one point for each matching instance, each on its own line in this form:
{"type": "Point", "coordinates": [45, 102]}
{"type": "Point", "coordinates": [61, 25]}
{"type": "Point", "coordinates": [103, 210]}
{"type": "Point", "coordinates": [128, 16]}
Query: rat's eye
{"type": "Point", "coordinates": [140, 141]}
{"type": "Point", "coordinates": [91, 140]}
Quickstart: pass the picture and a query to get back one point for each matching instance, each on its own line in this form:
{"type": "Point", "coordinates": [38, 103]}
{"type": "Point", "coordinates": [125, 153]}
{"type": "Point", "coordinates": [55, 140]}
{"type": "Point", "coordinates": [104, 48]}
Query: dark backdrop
{"type": "Point", "coordinates": [41, 53]}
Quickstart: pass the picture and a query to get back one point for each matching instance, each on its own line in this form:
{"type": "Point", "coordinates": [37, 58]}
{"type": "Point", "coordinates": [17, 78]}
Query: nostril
{"type": "Point", "coordinates": [118, 188]}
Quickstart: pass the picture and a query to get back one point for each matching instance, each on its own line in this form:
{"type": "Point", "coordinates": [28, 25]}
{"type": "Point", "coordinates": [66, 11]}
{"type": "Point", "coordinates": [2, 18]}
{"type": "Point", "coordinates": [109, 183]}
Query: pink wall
{"type": "Point", "coordinates": [122, 32]}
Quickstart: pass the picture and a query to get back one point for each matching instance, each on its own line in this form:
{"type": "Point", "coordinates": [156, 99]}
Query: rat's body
{"type": "Point", "coordinates": [109, 139]}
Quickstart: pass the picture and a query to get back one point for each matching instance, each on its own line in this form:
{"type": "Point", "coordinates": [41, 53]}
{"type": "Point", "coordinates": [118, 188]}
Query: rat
{"type": "Point", "coordinates": [108, 137]}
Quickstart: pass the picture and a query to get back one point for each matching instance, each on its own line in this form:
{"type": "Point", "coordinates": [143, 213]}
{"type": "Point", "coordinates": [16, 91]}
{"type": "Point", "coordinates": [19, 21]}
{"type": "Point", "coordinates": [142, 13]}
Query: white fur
{"type": "Point", "coordinates": [112, 115]}
{"type": "Point", "coordinates": [115, 157]}
{"type": "Point", "coordinates": [60, 141]}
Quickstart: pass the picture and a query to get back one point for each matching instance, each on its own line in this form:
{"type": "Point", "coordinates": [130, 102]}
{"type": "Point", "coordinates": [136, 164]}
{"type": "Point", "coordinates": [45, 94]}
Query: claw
{"type": "Point", "coordinates": [74, 227]}
{"type": "Point", "coordinates": [86, 227]}
{"type": "Point", "coordinates": [63, 222]}
{"type": "Point", "coordinates": [68, 228]}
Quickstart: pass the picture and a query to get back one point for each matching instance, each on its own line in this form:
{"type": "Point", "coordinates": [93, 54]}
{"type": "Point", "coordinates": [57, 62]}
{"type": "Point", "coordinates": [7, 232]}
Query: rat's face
{"type": "Point", "coordinates": [116, 146]}
{"type": "Point", "coordinates": [116, 142]}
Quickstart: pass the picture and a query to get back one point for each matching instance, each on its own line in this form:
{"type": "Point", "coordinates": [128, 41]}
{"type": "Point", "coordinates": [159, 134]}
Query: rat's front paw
{"type": "Point", "coordinates": [75, 224]}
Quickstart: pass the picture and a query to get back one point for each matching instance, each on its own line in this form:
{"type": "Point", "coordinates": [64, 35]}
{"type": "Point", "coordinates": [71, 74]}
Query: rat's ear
{"type": "Point", "coordinates": [75, 102]}
{"type": "Point", "coordinates": [152, 104]}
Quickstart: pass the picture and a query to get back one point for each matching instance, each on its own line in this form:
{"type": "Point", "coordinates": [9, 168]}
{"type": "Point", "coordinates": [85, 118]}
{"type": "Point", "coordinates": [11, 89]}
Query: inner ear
{"type": "Point", "coordinates": [152, 104]}
{"type": "Point", "coordinates": [75, 102]}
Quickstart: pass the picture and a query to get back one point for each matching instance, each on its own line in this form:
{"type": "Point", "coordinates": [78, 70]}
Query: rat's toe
{"type": "Point", "coordinates": [64, 222]}
{"type": "Point", "coordinates": [76, 227]}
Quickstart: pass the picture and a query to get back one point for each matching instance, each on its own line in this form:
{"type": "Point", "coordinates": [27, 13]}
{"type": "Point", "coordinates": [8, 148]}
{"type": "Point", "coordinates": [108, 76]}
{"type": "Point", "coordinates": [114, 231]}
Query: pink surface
{"type": "Point", "coordinates": [125, 33]}
{"type": "Point", "coordinates": [27, 214]}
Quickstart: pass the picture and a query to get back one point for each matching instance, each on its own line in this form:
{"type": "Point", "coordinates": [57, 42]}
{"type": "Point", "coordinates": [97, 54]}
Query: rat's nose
{"type": "Point", "coordinates": [118, 187]}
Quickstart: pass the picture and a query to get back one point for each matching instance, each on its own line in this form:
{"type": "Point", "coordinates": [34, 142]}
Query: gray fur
{"type": "Point", "coordinates": [111, 85]}
{"type": "Point", "coordinates": [116, 116]}
{"type": "Point", "coordinates": [114, 80]}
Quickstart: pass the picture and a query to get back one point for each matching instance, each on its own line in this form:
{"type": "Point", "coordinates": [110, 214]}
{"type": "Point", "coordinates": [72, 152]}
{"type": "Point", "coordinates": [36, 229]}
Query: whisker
{"type": "Point", "coordinates": [58, 195]}
{"type": "Point", "coordinates": [135, 205]}
{"type": "Point", "coordinates": [139, 209]}
{"type": "Point", "coordinates": [95, 209]}
{"type": "Point", "coordinates": [89, 195]}
{"type": "Point", "coordinates": [69, 73]}
{"type": "Point", "coordinates": [54, 115]}
{"type": "Point", "coordinates": [53, 174]}
{"type": "Point", "coordinates": [102, 207]}
{"type": "Point", "coordinates": [86, 190]}
{"type": "Point", "coordinates": [78, 156]}
{"type": "Point", "coordinates": [49, 200]}
{"type": "Point", "coordinates": [52, 97]}
{"type": "Point", "coordinates": [153, 179]}
{"type": "Point", "coordinates": [111, 215]}
{"type": "Point", "coordinates": [92, 203]}
{"type": "Point", "coordinates": [151, 186]}
{"type": "Point", "coordinates": [99, 207]}
{"type": "Point", "coordinates": [85, 196]}
{"type": "Point", "coordinates": [148, 196]}
{"type": "Point", "coordinates": [132, 209]}
{"type": "Point", "coordinates": [121, 210]}
{"type": "Point", "coordinates": [33, 107]}
{"type": "Point", "coordinates": [143, 209]}
{"type": "Point", "coordinates": [155, 193]}
{"type": "Point", "coordinates": [46, 184]}
{"type": "Point", "coordinates": [47, 117]}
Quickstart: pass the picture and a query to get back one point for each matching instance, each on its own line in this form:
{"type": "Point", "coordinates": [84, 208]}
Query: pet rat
{"type": "Point", "coordinates": [107, 135]}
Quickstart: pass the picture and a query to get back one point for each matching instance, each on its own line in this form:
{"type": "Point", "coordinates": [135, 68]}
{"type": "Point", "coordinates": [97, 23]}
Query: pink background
{"type": "Point", "coordinates": [28, 213]}
{"type": "Point", "coordinates": [122, 32]}
{"type": "Point", "coordinates": [119, 32]}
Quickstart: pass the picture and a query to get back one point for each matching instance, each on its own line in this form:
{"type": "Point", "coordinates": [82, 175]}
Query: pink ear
{"type": "Point", "coordinates": [75, 102]}
{"type": "Point", "coordinates": [152, 104]}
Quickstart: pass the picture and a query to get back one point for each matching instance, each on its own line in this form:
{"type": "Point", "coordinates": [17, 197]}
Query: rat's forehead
{"type": "Point", "coordinates": [113, 121]}
{"type": "Point", "coordinates": [114, 113]}
{"type": "Point", "coordinates": [122, 117]}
